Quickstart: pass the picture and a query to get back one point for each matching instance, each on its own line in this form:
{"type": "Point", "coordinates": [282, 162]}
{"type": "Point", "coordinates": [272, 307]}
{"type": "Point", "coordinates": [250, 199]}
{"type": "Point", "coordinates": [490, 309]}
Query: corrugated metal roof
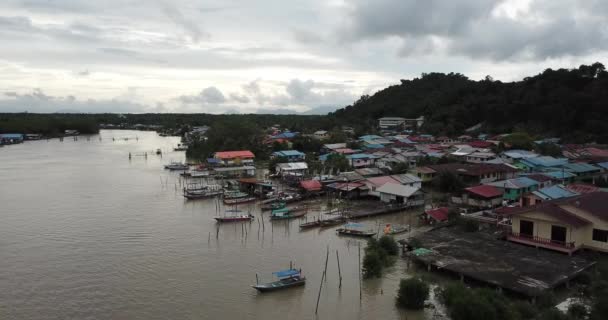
{"type": "Point", "coordinates": [398, 189]}
{"type": "Point", "coordinates": [288, 153]}
{"type": "Point", "coordinates": [554, 192]}
{"type": "Point", "coordinates": [234, 154]}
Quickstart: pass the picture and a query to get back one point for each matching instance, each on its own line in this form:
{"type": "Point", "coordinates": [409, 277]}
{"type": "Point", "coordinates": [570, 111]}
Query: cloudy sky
{"type": "Point", "coordinates": [273, 55]}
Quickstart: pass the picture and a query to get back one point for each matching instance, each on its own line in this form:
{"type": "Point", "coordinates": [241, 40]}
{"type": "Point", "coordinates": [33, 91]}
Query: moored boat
{"type": "Point", "coordinates": [177, 166]}
{"type": "Point", "coordinates": [235, 194]}
{"type": "Point", "coordinates": [239, 200]}
{"type": "Point", "coordinates": [286, 279]}
{"type": "Point", "coordinates": [311, 224]}
{"type": "Point", "coordinates": [390, 229]}
{"type": "Point", "coordinates": [273, 206]}
{"type": "Point", "coordinates": [287, 213]}
{"type": "Point", "coordinates": [354, 229]}
{"type": "Point", "coordinates": [235, 216]}
{"type": "Point", "coordinates": [326, 223]}
{"type": "Point", "coordinates": [181, 147]}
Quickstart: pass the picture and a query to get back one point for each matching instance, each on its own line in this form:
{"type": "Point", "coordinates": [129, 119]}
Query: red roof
{"type": "Point", "coordinates": [439, 214]}
{"type": "Point", "coordinates": [311, 185]}
{"type": "Point", "coordinates": [582, 188]}
{"type": "Point", "coordinates": [485, 191]}
{"type": "Point", "coordinates": [246, 154]}
{"type": "Point", "coordinates": [480, 144]}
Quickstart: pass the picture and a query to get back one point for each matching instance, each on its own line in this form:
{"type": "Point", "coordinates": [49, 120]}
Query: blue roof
{"type": "Point", "coordinates": [361, 156]}
{"type": "Point", "coordinates": [544, 161]}
{"type": "Point", "coordinates": [286, 273]}
{"type": "Point", "coordinates": [288, 153]}
{"type": "Point", "coordinates": [554, 192]}
{"type": "Point", "coordinates": [602, 165]}
{"type": "Point", "coordinates": [373, 146]}
{"type": "Point", "coordinates": [405, 140]}
{"type": "Point", "coordinates": [581, 167]}
{"type": "Point", "coordinates": [370, 137]}
{"type": "Point", "coordinates": [559, 174]}
{"type": "Point", "coordinates": [285, 135]}
{"type": "Point", "coordinates": [11, 135]}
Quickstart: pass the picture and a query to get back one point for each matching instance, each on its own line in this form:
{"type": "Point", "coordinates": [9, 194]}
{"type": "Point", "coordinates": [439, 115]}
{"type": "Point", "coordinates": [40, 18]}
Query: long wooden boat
{"type": "Point", "coordinates": [354, 230]}
{"type": "Point", "coordinates": [326, 223]}
{"type": "Point", "coordinates": [235, 218]}
{"type": "Point", "coordinates": [309, 225]}
{"type": "Point", "coordinates": [235, 194]}
{"type": "Point", "coordinates": [396, 229]}
{"type": "Point", "coordinates": [287, 279]}
{"type": "Point", "coordinates": [273, 206]}
{"type": "Point", "coordinates": [177, 166]}
{"type": "Point", "coordinates": [240, 200]}
{"type": "Point", "coordinates": [201, 194]}
{"type": "Point", "coordinates": [287, 213]}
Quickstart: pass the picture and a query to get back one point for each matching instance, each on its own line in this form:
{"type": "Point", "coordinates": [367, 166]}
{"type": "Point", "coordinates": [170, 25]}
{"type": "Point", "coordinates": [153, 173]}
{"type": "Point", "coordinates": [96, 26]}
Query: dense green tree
{"type": "Point", "coordinates": [389, 245]}
{"type": "Point", "coordinates": [412, 293]}
{"type": "Point", "coordinates": [549, 149]}
{"type": "Point", "coordinates": [372, 265]}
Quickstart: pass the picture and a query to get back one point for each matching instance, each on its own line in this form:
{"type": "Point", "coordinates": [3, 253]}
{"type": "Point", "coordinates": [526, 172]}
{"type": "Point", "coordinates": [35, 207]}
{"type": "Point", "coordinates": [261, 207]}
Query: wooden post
{"type": "Point", "coordinates": [256, 279]}
{"type": "Point", "coordinates": [360, 290]}
{"type": "Point", "coordinates": [322, 279]}
{"type": "Point", "coordinates": [339, 271]}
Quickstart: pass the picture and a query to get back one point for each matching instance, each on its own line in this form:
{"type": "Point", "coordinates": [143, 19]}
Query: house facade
{"type": "Point", "coordinates": [290, 155]}
{"type": "Point", "coordinates": [234, 158]}
{"type": "Point", "coordinates": [564, 225]}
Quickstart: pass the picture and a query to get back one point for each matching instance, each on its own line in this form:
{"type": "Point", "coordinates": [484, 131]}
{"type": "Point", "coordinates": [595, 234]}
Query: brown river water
{"type": "Point", "coordinates": [86, 233]}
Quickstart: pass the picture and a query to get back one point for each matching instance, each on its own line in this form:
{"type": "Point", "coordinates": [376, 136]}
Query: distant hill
{"type": "Point", "coordinates": [572, 104]}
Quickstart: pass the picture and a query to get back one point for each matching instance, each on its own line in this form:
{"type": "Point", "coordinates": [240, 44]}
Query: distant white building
{"type": "Point", "coordinates": [321, 134]}
{"type": "Point", "coordinates": [398, 123]}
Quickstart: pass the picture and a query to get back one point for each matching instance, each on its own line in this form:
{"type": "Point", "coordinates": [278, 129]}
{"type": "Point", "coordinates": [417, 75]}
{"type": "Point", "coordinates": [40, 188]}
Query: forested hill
{"type": "Point", "coordinates": [572, 104]}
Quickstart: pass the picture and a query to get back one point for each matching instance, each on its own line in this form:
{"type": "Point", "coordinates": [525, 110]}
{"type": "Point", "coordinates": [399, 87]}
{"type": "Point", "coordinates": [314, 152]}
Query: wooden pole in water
{"type": "Point", "coordinates": [256, 279]}
{"type": "Point", "coordinates": [326, 259]}
{"type": "Point", "coordinates": [360, 292]}
{"type": "Point", "coordinates": [322, 279]}
{"type": "Point", "coordinates": [339, 271]}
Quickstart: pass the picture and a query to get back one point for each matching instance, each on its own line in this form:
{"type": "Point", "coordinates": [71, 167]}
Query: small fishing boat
{"type": "Point", "coordinates": [273, 206]}
{"type": "Point", "coordinates": [354, 230]}
{"type": "Point", "coordinates": [286, 279]}
{"type": "Point", "coordinates": [235, 217]}
{"type": "Point", "coordinates": [158, 151]}
{"type": "Point", "coordinates": [239, 200]}
{"type": "Point", "coordinates": [235, 194]}
{"type": "Point", "coordinates": [201, 194]}
{"type": "Point", "coordinates": [309, 225]}
{"type": "Point", "coordinates": [177, 166]}
{"type": "Point", "coordinates": [390, 229]}
{"type": "Point", "coordinates": [287, 213]}
{"type": "Point", "coordinates": [181, 147]}
{"type": "Point", "coordinates": [326, 223]}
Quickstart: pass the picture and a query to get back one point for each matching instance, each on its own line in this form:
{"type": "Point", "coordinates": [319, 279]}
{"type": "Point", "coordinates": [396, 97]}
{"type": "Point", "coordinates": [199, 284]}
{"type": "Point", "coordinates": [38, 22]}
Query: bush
{"type": "Point", "coordinates": [451, 292]}
{"type": "Point", "coordinates": [471, 307]}
{"type": "Point", "coordinates": [552, 314]}
{"type": "Point", "coordinates": [524, 310]}
{"type": "Point", "coordinates": [389, 245]}
{"type": "Point", "coordinates": [577, 311]}
{"type": "Point", "coordinates": [372, 265]}
{"type": "Point", "coordinates": [412, 293]}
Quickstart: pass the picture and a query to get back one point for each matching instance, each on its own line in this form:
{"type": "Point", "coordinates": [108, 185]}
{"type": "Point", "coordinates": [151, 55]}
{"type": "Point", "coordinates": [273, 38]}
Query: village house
{"type": "Point", "coordinates": [541, 164]}
{"type": "Point", "coordinates": [395, 124]}
{"type": "Point", "coordinates": [234, 158]}
{"type": "Point", "coordinates": [480, 157]}
{"type": "Point", "coordinates": [289, 155]}
{"type": "Point", "coordinates": [471, 174]}
{"type": "Point", "coordinates": [436, 215]}
{"type": "Point", "coordinates": [401, 194]}
{"type": "Point", "coordinates": [515, 188]}
{"type": "Point", "coordinates": [330, 148]}
{"type": "Point", "coordinates": [361, 160]}
{"type": "Point", "coordinates": [543, 180]}
{"type": "Point", "coordinates": [581, 169]}
{"type": "Point", "coordinates": [512, 156]}
{"type": "Point", "coordinates": [311, 186]}
{"type": "Point", "coordinates": [546, 194]}
{"type": "Point", "coordinates": [291, 169]}
{"type": "Point", "coordinates": [481, 197]}
{"type": "Point", "coordinates": [321, 134]}
{"type": "Point", "coordinates": [564, 225]}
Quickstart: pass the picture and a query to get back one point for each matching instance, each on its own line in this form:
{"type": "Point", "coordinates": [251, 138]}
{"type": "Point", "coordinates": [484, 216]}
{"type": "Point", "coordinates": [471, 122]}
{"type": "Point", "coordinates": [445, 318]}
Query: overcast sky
{"type": "Point", "coordinates": [265, 55]}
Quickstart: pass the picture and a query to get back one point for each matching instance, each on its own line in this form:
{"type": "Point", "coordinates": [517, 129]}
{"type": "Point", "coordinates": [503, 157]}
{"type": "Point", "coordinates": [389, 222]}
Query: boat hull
{"type": "Point", "coordinates": [233, 219]}
{"type": "Point", "coordinates": [239, 200]}
{"type": "Point", "coordinates": [280, 285]}
{"type": "Point", "coordinates": [355, 233]}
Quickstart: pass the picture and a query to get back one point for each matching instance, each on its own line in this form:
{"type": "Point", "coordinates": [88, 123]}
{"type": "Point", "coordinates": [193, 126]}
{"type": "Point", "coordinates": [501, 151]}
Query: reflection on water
{"type": "Point", "coordinates": [87, 233]}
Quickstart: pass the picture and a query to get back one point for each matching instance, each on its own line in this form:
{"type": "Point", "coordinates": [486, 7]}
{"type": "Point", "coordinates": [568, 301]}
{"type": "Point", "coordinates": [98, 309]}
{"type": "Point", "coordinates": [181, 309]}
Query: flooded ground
{"type": "Point", "coordinates": [86, 233]}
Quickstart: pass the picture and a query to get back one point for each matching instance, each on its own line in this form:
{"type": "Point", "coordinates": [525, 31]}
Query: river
{"type": "Point", "coordinates": [86, 233]}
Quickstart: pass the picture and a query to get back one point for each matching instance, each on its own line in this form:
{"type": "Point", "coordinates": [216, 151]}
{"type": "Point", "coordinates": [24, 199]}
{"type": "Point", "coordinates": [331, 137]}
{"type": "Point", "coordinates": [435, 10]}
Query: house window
{"type": "Point", "coordinates": [600, 235]}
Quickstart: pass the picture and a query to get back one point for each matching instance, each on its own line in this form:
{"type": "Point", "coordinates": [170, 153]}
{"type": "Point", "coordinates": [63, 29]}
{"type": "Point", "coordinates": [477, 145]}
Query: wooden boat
{"type": "Point", "coordinates": [239, 200]}
{"type": "Point", "coordinates": [309, 225]}
{"type": "Point", "coordinates": [175, 166]}
{"type": "Point", "coordinates": [331, 222]}
{"type": "Point", "coordinates": [286, 279]}
{"type": "Point", "coordinates": [181, 147]}
{"type": "Point", "coordinates": [287, 213]}
{"type": "Point", "coordinates": [235, 216]}
{"type": "Point", "coordinates": [390, 229]}
{"type": "Point", "coordinates": [235, 194]}
{"type": "Point", "coordinates": [201, 194]}
{"type": "Point", "coordinates": [273, 206]}
{"type": "Point", "coordinates": [354, 230]}
{"type": "Point", "coordinates": [158, 151]}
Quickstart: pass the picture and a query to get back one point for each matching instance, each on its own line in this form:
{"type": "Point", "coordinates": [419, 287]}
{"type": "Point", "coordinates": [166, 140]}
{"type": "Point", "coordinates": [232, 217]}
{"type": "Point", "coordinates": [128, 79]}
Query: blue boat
{"type": "Point", "coordinates": [287, 278]}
